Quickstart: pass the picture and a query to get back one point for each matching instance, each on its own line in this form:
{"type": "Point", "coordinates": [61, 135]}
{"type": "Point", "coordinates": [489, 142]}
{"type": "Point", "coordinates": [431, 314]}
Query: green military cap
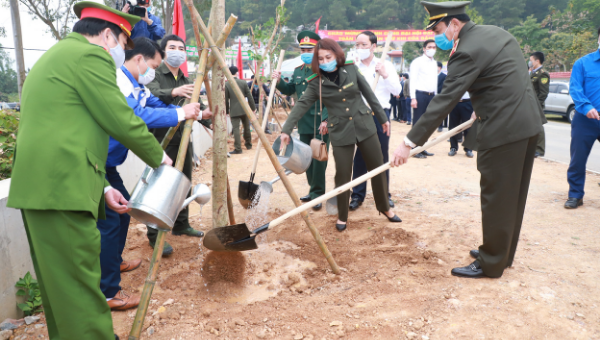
{"type": "Point", "coordinates": [90, 9]}
{"type": "Point", "coordinates": [308, 39]}
{"type": "Point", "coordinates": [439, 10]}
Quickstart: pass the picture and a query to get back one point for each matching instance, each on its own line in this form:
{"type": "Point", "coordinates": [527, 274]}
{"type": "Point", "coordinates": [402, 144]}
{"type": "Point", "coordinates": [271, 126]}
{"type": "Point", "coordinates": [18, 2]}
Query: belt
{"type": "Point", "coordinates": [464, 100]}
{"type": "Point", "coordinates": [427, 93]}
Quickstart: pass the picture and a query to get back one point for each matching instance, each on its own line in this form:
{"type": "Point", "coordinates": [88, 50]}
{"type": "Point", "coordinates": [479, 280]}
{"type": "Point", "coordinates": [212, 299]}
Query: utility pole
{"type": "Point", "coordinates": [18, 38]}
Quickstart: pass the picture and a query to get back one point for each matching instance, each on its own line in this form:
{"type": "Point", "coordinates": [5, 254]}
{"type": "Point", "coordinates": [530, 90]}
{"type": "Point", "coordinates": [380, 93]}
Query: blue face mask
{"type": "Point", "coordinates": [256, 87]}
{"type": "Point", "coordinates": [149, 9]}
{"type": "Point", "coordinates": [442, 41]}
{"type": "Point", "coordinates": [328, 67]}
{"type": "Point", "coordinates": [306, 57]}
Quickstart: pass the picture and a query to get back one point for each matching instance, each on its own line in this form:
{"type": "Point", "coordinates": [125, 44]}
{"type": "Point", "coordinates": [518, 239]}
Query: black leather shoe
{"type": "Point", "coordinates": [472, 271]}
{"type": "Point", "coordinates": [354, 204]}
{"type": "Point", "coordinates": [392, 205]}
{"type": "Point", "coordinates": [236, 152]}
{"type": "Point", "coordinates": [420, 155]}
{"type": "Point", "coordinates": [573, 203]}
{"type": "Point", "coordinates": [116, 337]}
{"type": "Point", "coordinates": [427, 153]}
{"type": "Point", "coordinates": [306, 198]}
{"type": "Point", "coordinates": [394, 219]}
{"type": "Point", "coordinates": [340, 227]}
{"type": "Point", "coordinates": [318, 206]}
{"type": "Point", "coordinates": [249, 147]}
{"type": "Point", "coordinates": [408, 123]}
{"type": "Point", "coordinates": [537, 154]}
{"type": "Point", "coordinates": [268, 132]}
{"type": "Point", "coordinates": [474, 253]}
{"type": "Point", "coordinates": [452, 152]}
{"type": "Point", "coordinates": [469, 153]}
{"type": "Point", "coordinates": [440, 129]}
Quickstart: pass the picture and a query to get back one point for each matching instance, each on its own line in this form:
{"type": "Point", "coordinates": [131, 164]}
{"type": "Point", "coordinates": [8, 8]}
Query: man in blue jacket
{"type": "Point", "coordinates": [138, 70]}
{"type": "Point", "coordinates": [585, 128]}
{"type": "Point", "coordinates": [149, 26]}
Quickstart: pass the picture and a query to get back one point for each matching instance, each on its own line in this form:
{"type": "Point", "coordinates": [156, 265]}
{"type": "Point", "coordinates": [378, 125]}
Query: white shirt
{"type": "Point", "coordinates": [465, 96]}
{"type": "Point", "coordinates": [423, 75]}
{"type": "Point", "coordinates": [385, 87]}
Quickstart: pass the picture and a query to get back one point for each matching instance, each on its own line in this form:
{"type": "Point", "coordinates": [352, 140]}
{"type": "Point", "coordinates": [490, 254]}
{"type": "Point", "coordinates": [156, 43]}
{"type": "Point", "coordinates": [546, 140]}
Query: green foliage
{"type": "Point", "coordinates": [9, 123]}
{"type": "Point", "coordinates": [529, 34]}
{"type": "Point", "coordinates": [503, 13]}
{"type": "Point", "coordinates": [29, 288]}
{"type": "Point", "coordinates": [8, 76]}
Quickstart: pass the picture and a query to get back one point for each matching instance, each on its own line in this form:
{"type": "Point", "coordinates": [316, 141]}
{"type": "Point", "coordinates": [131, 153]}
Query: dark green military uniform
{"type": "Point", "coordinates": [308, 126]}
{"type": "Point", "coordinates": [541, 84]}
{"type": "Point", "coordinates": [234, 109]}
{"type": "Point", "coordinates": [350, 123]}
{"type": "Point", "coordinates": [487, 61]}
{"type": "Point", "coordinates": [163, 84]}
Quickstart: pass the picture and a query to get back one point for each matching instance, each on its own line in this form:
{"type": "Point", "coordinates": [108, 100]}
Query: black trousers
{"type": "Point", "coordinates": [344, 155]}
{"type": "Point", "coordinates": [460, 114]}
{"type": "Point", "coordinates": [407, 109]}
{"type": "Point", "coordinates": [505, 174]}
{"type": "Point", "coordinates": [423, 100]}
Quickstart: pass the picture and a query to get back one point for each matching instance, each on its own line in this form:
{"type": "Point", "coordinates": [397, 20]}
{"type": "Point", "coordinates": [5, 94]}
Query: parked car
{"type": "Point", "coordinates": [559, 101]}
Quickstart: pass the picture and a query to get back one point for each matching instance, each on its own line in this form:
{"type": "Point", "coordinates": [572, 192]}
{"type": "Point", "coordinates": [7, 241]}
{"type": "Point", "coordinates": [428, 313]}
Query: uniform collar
{"type": "Point", "coordinates": [466, 28]}
{"type": "Point", "coordinates": [537, 69]}
{"type": "Point", "coordinates": [77, 36]}
{"type": "Point", "coordinates": [163, 68]}
{"type": "Point", "coordinates": [136, 85]}
{"type": "Point", "coordinates": [596, 55]}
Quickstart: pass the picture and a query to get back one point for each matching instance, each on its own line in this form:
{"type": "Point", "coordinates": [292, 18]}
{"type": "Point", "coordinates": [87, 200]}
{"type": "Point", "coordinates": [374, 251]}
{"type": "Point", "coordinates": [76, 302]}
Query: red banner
{"type": "Point", "coordinates": [397, 35]}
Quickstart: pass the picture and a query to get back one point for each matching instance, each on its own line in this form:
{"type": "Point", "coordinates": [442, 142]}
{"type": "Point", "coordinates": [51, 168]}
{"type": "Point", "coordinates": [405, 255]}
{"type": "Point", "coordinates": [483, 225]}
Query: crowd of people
{"type": "Point", "coordinates": [75, 208]}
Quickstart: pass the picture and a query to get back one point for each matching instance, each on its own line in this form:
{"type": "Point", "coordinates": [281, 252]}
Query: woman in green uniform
{"type": "Point", "coordinates": [340, 85]}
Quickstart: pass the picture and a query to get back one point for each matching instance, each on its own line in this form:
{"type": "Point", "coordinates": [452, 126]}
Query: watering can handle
{"type": "Point", "coordinates": [146, 174]}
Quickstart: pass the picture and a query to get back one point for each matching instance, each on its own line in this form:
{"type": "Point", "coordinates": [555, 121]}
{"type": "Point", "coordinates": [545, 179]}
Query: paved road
{"type": "Point", "coordinates": [558, 141]}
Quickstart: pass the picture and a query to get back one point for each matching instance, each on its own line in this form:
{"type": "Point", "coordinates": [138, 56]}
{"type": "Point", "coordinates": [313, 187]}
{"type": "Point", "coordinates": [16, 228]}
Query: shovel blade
{"type": "Point", "coordinates": [221, 239]}
{"type": "Point", "coordinates": [246, 192]}
{"type": "Point", "coordinates": [331, 206]}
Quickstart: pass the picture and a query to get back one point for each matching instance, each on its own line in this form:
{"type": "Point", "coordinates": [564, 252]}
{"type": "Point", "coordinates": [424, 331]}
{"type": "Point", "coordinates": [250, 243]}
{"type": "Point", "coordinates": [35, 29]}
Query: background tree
{"type": "Point", "coordinates": [56, 14]}
{"type": "Point", "coordinates": [8, 77]}
{"type": "Point", "coordinates": [530, 34]}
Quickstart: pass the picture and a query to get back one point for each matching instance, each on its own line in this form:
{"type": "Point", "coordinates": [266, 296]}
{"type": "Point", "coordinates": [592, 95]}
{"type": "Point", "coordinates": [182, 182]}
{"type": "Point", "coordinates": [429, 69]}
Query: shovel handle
{"type": "Point", "coordinates": [383, 56]}
{"type": "Point", "coordinates": [366, 176]}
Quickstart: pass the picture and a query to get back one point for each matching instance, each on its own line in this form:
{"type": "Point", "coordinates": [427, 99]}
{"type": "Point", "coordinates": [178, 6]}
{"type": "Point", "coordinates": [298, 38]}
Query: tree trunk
{"type": "Point", "coordinates": [219, 187]}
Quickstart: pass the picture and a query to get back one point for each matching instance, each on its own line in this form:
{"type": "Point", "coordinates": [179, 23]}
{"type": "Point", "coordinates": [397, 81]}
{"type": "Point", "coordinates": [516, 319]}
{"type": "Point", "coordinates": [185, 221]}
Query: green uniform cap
{"type": "Point", "coordinates": [439, 10]}
{"type": "Point", "coordinates": [90, 9]}
{"type": "Point", "coordinates": [308, 39]}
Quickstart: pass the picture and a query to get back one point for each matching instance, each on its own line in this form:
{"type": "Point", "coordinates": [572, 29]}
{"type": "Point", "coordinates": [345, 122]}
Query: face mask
{"type": "Point", "coordinates": [430, 53]}
{"type": "Point", "coordinates": [148, 76]}
{"type": "Point", "coordinates": [363, 53]}
{"type": "Point", "coordinates": [306, 57]}
{"type": "Point", "coordinates": [530, 64]}
{"type": "Point", "coordinates": [256, 87]}
{"type": "Point", "coordinates": [175, 58]}
{"type": "Point", "coordinates": [117, 52]}
{"type": "Point", "coordinates": [149, 10]}
{"type": "Point", "coordinates": [328, 67]}
{"type": "Point", "coordinates": [442, 41]}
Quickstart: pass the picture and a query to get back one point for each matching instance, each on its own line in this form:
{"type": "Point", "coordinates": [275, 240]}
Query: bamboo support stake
{"type": "Point", "coordinates": [265, 142]}
{"type": "Point", "coordinates": [383, 56]}
{"type": "Point", "coordinates": [150, 282]}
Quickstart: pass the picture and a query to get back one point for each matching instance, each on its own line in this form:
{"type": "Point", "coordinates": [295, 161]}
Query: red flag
{"type": "Point", "coordinates": [317, 24]}
{"type": "Point", "coordinates": [179, 29]}
{"type": "Point", "coordinates": [240, 63]}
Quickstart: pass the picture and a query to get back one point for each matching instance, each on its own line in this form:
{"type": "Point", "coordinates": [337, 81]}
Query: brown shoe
{"type": "Point", "coordinates": [127, 266]}
{"type": "Point", "coordinates": [122, 301]}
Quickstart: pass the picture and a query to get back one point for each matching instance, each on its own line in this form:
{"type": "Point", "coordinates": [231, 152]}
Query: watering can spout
{"type": "Point", "coordinates": [200, 194]}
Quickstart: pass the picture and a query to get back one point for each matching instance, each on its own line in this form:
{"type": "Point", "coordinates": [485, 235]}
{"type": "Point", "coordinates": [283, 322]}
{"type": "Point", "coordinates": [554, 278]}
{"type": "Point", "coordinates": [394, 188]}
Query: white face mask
{"type": "Point", "coordinates": [430, 53]}
{"type": "Point", "coordinates": [363, 53]}
{"type": "Point", "coordinates": [148, 76]}
{"type": "Point", "coordinates": [117, 52]}
{"type": "Point", "coordinates": [175, 58]}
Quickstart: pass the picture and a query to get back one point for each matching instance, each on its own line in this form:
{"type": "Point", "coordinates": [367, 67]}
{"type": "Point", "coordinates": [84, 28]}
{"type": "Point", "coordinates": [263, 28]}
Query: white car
{"type": "Point", "coordinates": [559, 101]}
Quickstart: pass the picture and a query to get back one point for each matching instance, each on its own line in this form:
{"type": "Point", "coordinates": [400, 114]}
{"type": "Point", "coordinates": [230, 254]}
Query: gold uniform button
{"type": "Point", "coordinates": [373, 113]}
{"type": "Point", "coordinates": [344, 99]}
{"type": "Point", "coordinates": [340, 90]}
{"type": "Point", "coordinates": [96, 166]}
{"type": "Point", "coordinates": [331, 125]}
{"type": "Point", "coordinates": [350, 118]}
{"type": "Point", "coordinates": [347, 109]}
{"type": "Point", "coordinates": [302, 92]}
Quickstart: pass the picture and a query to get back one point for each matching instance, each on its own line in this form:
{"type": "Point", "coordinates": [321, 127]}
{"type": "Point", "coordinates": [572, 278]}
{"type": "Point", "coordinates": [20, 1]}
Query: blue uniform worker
{"type": "Point", "coordinates": [153, 31]}
{"type": "Point", "coordinates": [585, 128]}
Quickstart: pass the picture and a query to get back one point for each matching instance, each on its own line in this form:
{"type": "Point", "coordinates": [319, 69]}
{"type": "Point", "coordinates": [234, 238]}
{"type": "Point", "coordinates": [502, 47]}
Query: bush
{"type": "Point", "coordinates": [9, 123]}
{"type": "Point", "coordinates": [28, 286]}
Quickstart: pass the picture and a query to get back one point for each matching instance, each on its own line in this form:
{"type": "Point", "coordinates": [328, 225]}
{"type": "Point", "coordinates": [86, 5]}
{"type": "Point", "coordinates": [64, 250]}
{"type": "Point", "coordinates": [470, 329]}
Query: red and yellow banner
{"type": "Point", "coordinates": [397, 35]}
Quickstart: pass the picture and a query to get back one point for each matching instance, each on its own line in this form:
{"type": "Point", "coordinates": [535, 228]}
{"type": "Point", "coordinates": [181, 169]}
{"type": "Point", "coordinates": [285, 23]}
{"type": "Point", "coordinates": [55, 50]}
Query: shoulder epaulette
{"type": "Point", "coordinates": [299, 66]}
{"type": "Point", "coordinates": [313, 76]}
{"type": "Point", "coordinates": [349, 62]}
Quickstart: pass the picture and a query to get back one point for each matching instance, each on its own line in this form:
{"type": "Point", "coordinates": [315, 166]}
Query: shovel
{"type": "Point", "coordinates": [239, 238]}
{"type": "Point", "coordinates": [247, 190]}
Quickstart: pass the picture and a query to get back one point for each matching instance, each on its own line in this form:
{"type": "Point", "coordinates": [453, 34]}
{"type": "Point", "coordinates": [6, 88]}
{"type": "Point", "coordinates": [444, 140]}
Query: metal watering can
{"type": "Point", "coordinates": [160, 195]}
{"type": "Point", "coordinates": [297, 157]}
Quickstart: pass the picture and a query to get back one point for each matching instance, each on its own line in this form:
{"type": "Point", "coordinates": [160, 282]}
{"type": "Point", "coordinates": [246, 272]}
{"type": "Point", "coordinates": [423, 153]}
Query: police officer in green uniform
{"type": "Point", "coordinates": [339, 85]}
{"type": "Point", "coordinates": [234, 109]}
{"type": "Point", "coordinates": [541, 84]}
{"type": "Point", "coordinates": [70, 106]}
{"type": "Point", "coordinates": [486, 61]}
{"type": "Point", "coordinates": [308, 126]}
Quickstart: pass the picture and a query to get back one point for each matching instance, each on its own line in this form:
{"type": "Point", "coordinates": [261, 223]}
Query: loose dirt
{"type": "Point", "coordinates": [396, 281]}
